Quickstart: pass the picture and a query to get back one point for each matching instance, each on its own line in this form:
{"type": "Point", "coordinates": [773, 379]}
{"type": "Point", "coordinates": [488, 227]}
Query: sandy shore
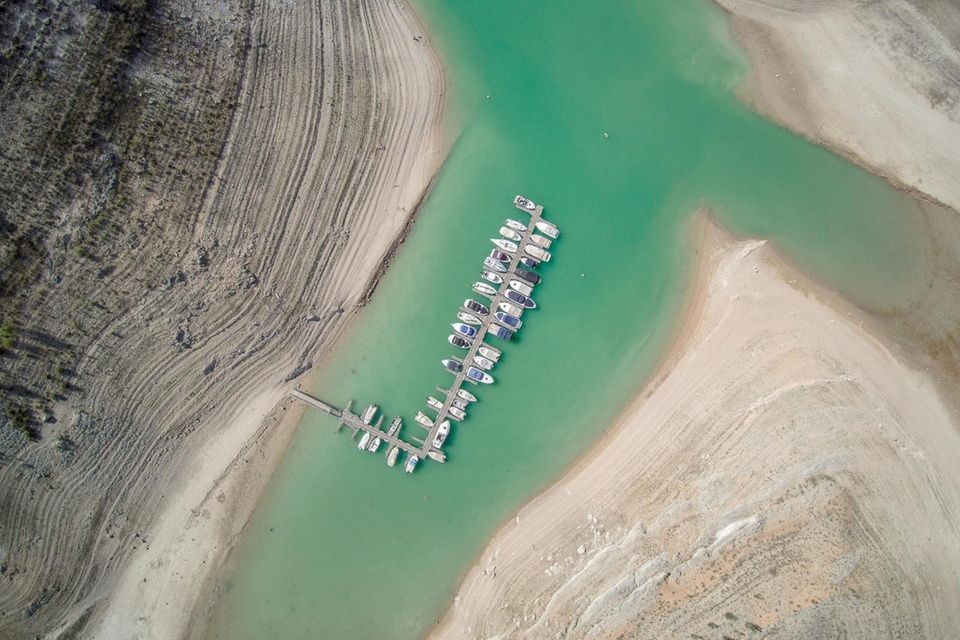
{"type": "Point", "coordinates": [875, 81]}
{"type": "Point", "coordinates": [783, 474]}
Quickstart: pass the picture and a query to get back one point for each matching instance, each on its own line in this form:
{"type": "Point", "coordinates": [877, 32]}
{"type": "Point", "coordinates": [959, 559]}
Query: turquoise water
{"type": "Point", "coordinates": [338, 530]}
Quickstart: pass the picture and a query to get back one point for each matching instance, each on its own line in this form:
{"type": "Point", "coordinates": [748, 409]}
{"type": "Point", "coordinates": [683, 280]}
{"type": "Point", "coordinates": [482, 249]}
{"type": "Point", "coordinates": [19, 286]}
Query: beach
{"type": "Point", "coordinates": [782, 473]}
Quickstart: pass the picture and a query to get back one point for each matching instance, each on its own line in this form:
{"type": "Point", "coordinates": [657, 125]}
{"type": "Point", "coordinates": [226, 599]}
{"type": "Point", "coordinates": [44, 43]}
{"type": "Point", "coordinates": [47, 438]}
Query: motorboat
{"type": "Point", "coordinates": [441, 436]}
{"type": "Point", "coordinates": [423, 420]}
{"type": "Point", "coordinates": [500, 256]}
{"type": "Point", "coordinates": [490, 276]}
{"type": "Point", "coordinates": [510, 234]}
{"type": "Point", "coordinates": [433, 403]}
{"type": "Point", "coordinates": [411, 464]}
{"type": "Point", "coordinates": [484, 289]}
{"type": "Point", "coordinates": [466, 395]}
{"type": "Point", "coordinates": [548, 228]}
{"type": "Point", "coordinates": [527, 276]}
{"type": "Point", "coordinates": [394, 427]}
{"type": "Point", "coordinates": [527, 261]}
{"type": "Point", "coordinates": [523, 203]}
{"type": "Point", "coordinates": [452, 364]}
{"type": "Point", "coordinates": [457, 414]}
{"type": "Point", "coordinates": [369, 413]}
{"type": "Point", "coordinates": [500, 332]}
{"type": "Point", "coordinates": [364, 439]}
{"type": "Point", "coordinates": [374, 445]}
{"type": "Point", "coordinates": [506, 245]}
{"type": "Point", "coordinates": [476, 307]}
{"type": "Point", "coordinates": [484, 363]}
{"type": "Point", "coordinates": [392, 454]}
{"type": "Point", "coordinates": [541, 241]}
{"type": "Point", "coordinates": [537, 252]}
{"type": "Point", "coordinates": [489, 352]}
{"type": "Point", "coordinates": [464, 329]}
{"type": "Point", "coordinates": [469, 318]}
{"type": "Point", "coordinates": [476, 375]}
{"type": "Point", "coordinates": [520, 299]}
{"type": "Point", "coordinates": [458, 341]}
{"type": "Point", "coordinates": [494, 265]}
{"type": "Point", "coordinates": [512, 309]}
{"type": "Point", "coordinates": [521, 287]}
{"type": "Point", "coordinates": [438, 456]}
{"type": "Point", "coordinates": [511, 322]}
{"type": "Point", "coordinates": [516, 225]}
{"type": "Point", "coordinates": [459, 404]}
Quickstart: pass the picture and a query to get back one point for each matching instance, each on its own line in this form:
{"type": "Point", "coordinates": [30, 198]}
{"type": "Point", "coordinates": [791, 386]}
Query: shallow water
{"type": "Point", "coordinates": [342, 546]}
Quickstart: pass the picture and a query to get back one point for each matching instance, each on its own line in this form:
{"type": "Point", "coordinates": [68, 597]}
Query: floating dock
{"type": "Point", "coordinates": [425, 448]}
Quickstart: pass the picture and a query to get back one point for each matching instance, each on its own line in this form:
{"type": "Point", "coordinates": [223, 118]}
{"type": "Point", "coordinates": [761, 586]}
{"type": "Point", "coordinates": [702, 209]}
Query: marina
{"type": "Point", "coordinates": [508, 288]}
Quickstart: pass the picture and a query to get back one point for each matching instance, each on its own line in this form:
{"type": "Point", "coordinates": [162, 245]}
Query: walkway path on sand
{"type": "Point", "coordinates": [783, 472]}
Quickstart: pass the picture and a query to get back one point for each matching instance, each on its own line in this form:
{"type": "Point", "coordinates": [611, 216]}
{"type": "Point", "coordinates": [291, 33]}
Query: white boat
{"type": "Point", "coordinates": [537, 252]}
{"type": "Point", "coordinates": [392, 455]}
{"type": "Point", "coordinates": [510, 322]}
{"type": "Point", "coordinates": [518, 298]}
{"type": "Point", "coordinates": [484, 363]}
{"type": "Point", "coordinates": [374, 444]}
{"type": "Point", "coordinates": [458, 341]}
{"type": "Point", "coordinates": [457, 413]}
{"type": "Point", "coordinates": [438, 456]}
{"type": "Point", "coordinates": [466, 395]}
{"type": "Point", "coordinates": [510, 234]}
{"type": "Point", "coordinates": [476, 375]}
{"type": "Point", "coordinates": [506, 245]}
{"type": "Point", "coordinates": [369, 413]}
{"type": "Point", "coordinates": [364, 439]}
{"type": "Point", "coordinates": [433, 403]}
{"type": "Point", "coordinates": [500, 256]}
{"type": "Point", "coordinates": [523, 203]}
{"type": "Point", "coordinates": [494, 265]}
{"type": "Point", "coordinates": [423, 420]}
{"type": "Point", "coordinates": [452, 364]}
{"type": "Point", "coordinates": [515, 225]}
{"type": "Point", "coordinates": [490, 276]}
{"type": "Point", "coordinates": [548, 228]}
{"type": "Point", "coordinates": [411, 464]}
{"type": "Point", "coordinates": [521, 287]}
{"type": "Point", "coordinates": [442, 434]}
{"type": "Point", "coordinates": [394, 427]}
{"type": "Point", "coordinates": [459, 404]}
{"type": "Point", "coordinates": [512, 309]}
{"type": "Point", "coordinates": [484, 289]}
{"type": "Point", "coordinates": [469, 318]}
{"type": "Point", "coordinates": [465, 330]}
{"type": "Point", "coordinates": [489, 352]}
{"type": "Point", "coordinates": [540, 241]}
{"type": "Point", "coordinates": [476, 307]}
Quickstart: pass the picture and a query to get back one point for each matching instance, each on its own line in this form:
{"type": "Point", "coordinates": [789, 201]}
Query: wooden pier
{"type": "Point", "coordinates": [356, 423]}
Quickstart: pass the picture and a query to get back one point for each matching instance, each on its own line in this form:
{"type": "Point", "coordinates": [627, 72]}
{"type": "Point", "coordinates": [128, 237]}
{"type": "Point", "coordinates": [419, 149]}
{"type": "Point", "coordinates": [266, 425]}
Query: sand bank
{"type": "Point", "coordinates": [783, 473]}
{"type": "Point", "coordinates": [876, 81]}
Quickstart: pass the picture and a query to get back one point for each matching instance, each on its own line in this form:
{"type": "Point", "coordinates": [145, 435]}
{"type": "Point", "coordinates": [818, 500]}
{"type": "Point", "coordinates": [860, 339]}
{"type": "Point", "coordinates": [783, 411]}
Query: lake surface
{"type": "Point", "coordinates": [620, 118]}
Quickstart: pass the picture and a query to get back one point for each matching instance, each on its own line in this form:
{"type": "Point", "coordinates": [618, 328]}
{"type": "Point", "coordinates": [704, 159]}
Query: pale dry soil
{"type": "Point", "coordinates": [784, 475]}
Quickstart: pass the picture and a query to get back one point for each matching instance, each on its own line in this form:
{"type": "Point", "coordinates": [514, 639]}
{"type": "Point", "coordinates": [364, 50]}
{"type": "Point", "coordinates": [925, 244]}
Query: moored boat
{"type": "Point", "coordinates": [511, 234]}
{"type": "Point", "coordinates": [527, 276]}
{"type": "Point", "coordinates": [464, 329]}
{"type": "Point", "coordinates": [490, 276]}
{"type": "Point", "coordinates": [459, 404]}
{"type": "Point", "coordinates": [364, 439]}
{"type": "Point", "coordinates": [437, 456]}
{"type": "Point", "coordinates": [369, 413]}
{"type": "Point", "coordinates": [469, 318]}
{"type": "Point", "coordinates": [510, 322]}
{"type": "Point", "coordinates": [452, 364]}
{"type": "Point", "coordinates": [494, 265]}
{"type": "Point", "coordinates": [524, 203]}
{"type": "Point", "coordinates": [548, 228]}
{"type": "Point", "coordinates": [466, 395]}
{"type": "Point", "coordinates": [540, 241]}
{"type": "Point", "coordinates": [484, 289]}
{"type": "Point", "coordinates": [520, 299]}
{"type": "Point", "coordinates": [392, 454]}
{"type": "Point", "coordinates": [537, 252]}
{"type": "Point", "coordinates": [411, 464]}
{"type": "Point", "coordinates": [441, 436]}
{"type": "Point", "coordinates": [433, 403]}
{"type": "Point", "coordinates": [476, 307]}
{"type": "Point", "coordinates": [423, 419]}
{"type": "Point", "coordinates": [527, 261]}
{"type": "Point", "coordinates": [512, 309]}
{"type": "Point", "coordinates": [476, 375]}
{"type": "Point", "coordinates": [506, 245]}
{"type": "Point", "coordinates": [500, 256]}
{"type": "Point", "coordinates": [484, 363]}
{"type": "Point", "coordinates": [374, 445]}
{"type": "Point", "coordinates": [458, 341]}
{"type": "Point", "coordinates": [489, 352]}
{"type": "Point", "coordinates": [500, 332]}
{"type": "Point", "coordinates": [457, 413]}
{"type": "Point", "coordinates": [394, 427]}
{"type": "Point", "coordinates": [516, 225]}
{"type": "Point", "coordinates": [520, 286]}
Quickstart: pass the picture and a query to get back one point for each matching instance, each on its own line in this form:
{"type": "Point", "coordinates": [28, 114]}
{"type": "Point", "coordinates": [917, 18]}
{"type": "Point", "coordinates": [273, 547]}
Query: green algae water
{"type": "Point", "coordinates": [620, 118]}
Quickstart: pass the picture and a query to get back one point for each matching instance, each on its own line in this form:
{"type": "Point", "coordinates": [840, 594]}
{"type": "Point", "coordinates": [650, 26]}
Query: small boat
{"type": "Point", "coordinates": [369, 413]}
{"type": "Point", "coordinates": [484, 363]}
{"type": "Point", "coordinates": [490, 276]}
{"type": "Point", "coordinates": [438, 456]}
{"type": "Point", "coordinates": [548, 228]}
{"type": "Point", "coordinates": [489, 352]}
{"type": "Point", "coordinates": [523, 203]}
{"type": "Point", "coordinates": [476, 307]}
{"type": "Point", "coordinates": [392, 454]}
{"type": "Point", "coordinates": [363, 441]}
{"type": "Point", "coordinates": [459, 404]}
{"type": "Point", "coordinates": [527, 276]}
{"type": "Point", "coordinates": [464, 329]}
{"type": "Point", "coordinates": [510, 234]}
{"type": "Point", "coordinates": [442, 434]}
{"type": "Point", "coordinates": [510, 322]}
{"type": "Point", "coordinates": [512, 309]}
{"type": "Point", "coordinates": [457, 414]}
{"type": "Point", "coordinates": [540, 241]}
{"type": "Point", "coordinates": [423, 420]}
{"type": "Point", "coordinates": [374, 445]}
{"type": "Point", "coordinates": [494, 265]}
{"type": "Point", "coordinates": [452, 364]}
{"type": "Point", "coordinates": [499, 332]}
{"type": "Point", "coordinates": [521, 287]}
{"type": "Point", "coordinates": [527, 261]}
{"type": "Point", "coordinates": [484, 289]}
{"type": "Point", "coordinates": [433, 403]}
{"type": "Point", "coordinates": [411, 464]}
{"type": "Point", "coordinates": [469, 318]}
{"type": "Point", "coordinates": [537, 252]}
{"type": "Point", "coordinates": [394, 427]}
{"type": "Point", "coordinates": [506, 245]}
{"type": "Point", "coordinates": [520, 299]}
{"type": "Point", "coordinates": [496, 254]}
{"type": "Point", "coordinates": [477, 375]}
{"type": "Point", "coordinates": [466, 395]}
{"type": "Point", "coordinates": [515, 225]}
{"type": "Point", "coordinates": [458, 341]}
